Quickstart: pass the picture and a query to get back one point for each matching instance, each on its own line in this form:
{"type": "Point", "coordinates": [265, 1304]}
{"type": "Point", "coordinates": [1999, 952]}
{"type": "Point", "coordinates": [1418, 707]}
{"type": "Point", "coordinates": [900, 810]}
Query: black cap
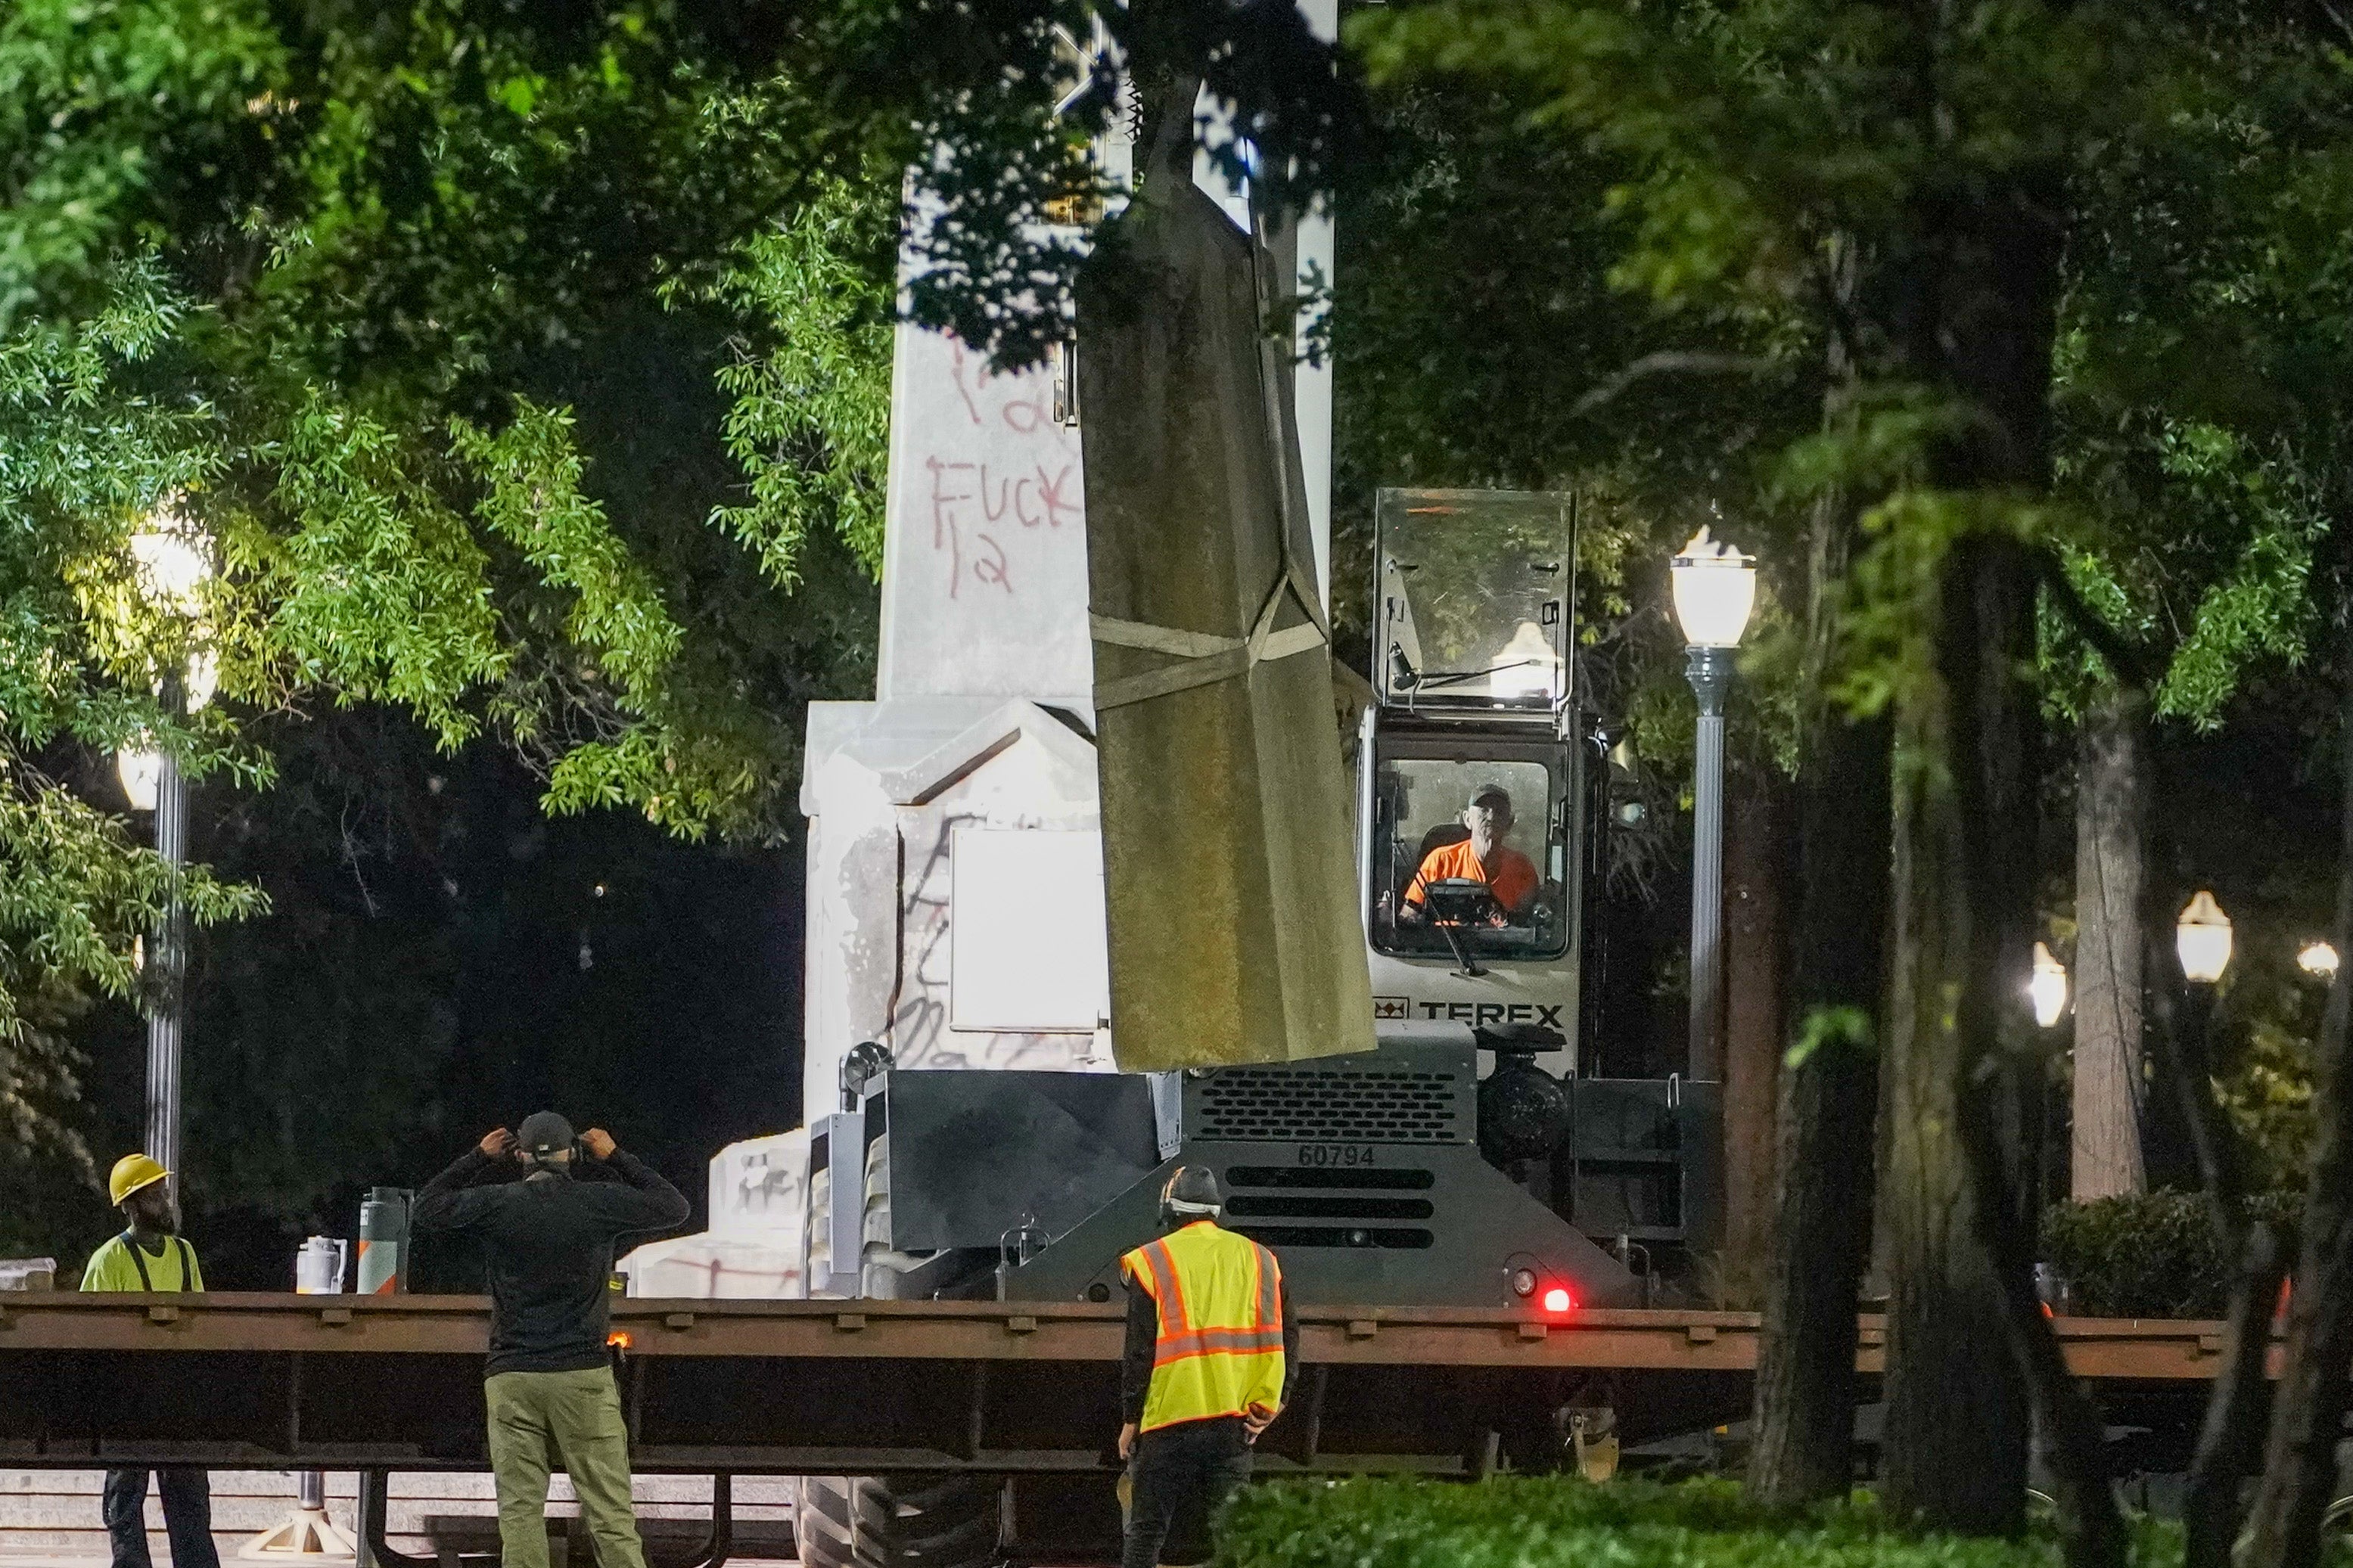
{"type": "Point", "coordinates": [1491, 797]}
{"type": "Point", "coordinates": [1194, 1187]}
{"type": "Point", "coordinates": [543, 1132]}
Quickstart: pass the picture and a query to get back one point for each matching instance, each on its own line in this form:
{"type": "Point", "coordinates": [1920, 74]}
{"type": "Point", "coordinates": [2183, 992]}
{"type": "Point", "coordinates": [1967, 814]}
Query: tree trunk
{"type": "Point", "coordinates": [1986, 640]}
{"type": "Point", "coordinates": [2308, 1407]}
{"type": "Point", "coordinates": [2110, 857]}
{"type": "Point", "coordinates": [1757, 867]}
{"type": "Point", "coordinates": [2231, 1437]}
{"type": "Point", "coordinates": [1805, 1359]}
{"type": "Point", "coordinates": [1968, 1343]}
{"type": "Point", "coordinates": [1957, 1411]}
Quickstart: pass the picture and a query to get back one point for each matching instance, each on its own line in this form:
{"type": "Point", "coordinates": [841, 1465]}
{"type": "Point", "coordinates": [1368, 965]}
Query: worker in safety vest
{"type": "Point", "coordinates": [1211, 1356]}
{"type": "Point", "coordinates": [151, 1254]}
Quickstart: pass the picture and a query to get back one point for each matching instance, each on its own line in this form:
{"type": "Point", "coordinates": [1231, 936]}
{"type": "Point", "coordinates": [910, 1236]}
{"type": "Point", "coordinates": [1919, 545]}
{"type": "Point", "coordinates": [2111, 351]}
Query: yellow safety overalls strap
{"type": "Point", "coordinates": [131, 1245]}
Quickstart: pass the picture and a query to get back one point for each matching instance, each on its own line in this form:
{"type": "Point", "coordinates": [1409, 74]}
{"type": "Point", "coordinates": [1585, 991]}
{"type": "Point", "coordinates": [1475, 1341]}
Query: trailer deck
{"type": "Point", "coordinates": [872, 1387]}
{"type": "Point", "coordinates": [1024, 1391]}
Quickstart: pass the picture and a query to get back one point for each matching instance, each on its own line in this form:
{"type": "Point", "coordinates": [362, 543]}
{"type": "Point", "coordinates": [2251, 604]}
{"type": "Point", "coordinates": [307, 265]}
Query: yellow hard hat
{"type": "Point", "coordinates": [131, 1172]}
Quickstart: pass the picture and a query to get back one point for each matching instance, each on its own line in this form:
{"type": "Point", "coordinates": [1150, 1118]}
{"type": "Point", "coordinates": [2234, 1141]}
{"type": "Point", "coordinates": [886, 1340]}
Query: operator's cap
{"type": "Point", "coordinates": [543, 1132]}
{"type": "Point", "coordinates": [131, 1172]}
{"type": "Point", "coordinates": [1194, 1190]}
{"type": "Point", "coordinates": [1491, 796]}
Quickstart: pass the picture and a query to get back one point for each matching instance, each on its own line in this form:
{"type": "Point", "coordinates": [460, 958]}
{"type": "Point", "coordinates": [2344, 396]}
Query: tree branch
{"type": "Point", "coordinates": [1666, 361]}
{"type": "Point", "coordinates": [2129, 664]}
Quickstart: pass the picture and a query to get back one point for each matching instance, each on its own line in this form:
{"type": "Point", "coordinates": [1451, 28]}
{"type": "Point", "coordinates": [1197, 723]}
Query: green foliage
{"type": "Point", "coordinates": [1755, 131]}
{"type": "Point", "coordinates": [2267, 1094]}
{"type": "Point", "coordinates": [1847, 1029]}
{"type": "Point", "coordinates": [111, 104]}
{"type": "Point", "coordinates": [319, 285]}
{"type": "Point", "coordinates": [374, 589]}
{"type": "Point", "coordinates": [811, 423]}
{"type": "Point", "coordinates": [71, 888]}
{"type": "Point", "coordinates": [2194, 544]}
{"type": "Point", "coordinates": [1775, 164]}
{"type": "Point", "coordinates": [1518, 1522]}
{"type": "Point", "coordinates": [533, 500]}
{"type": "Point", "coordinates": [83, 452]}
{"type": "Point", "coordinates": [2151, 1255]}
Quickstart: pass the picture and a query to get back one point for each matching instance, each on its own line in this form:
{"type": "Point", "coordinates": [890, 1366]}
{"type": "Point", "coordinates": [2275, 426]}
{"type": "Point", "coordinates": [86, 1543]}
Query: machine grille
{"type": "Point", "coordinates": [1283, 1207]}
{"type": "Point", "coordinates": [1332, 1105]}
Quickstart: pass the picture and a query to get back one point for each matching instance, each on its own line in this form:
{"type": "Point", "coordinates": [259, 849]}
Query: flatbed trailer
{"type": "Point", "coordinates": [870, 1388]}
{"type": "Point", "coordinates": [1020, 1390]}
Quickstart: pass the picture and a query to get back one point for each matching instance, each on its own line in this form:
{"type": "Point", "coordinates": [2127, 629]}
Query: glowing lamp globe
{"type": "Point", "coordinates": [2202, 939]}
{"type": "Point", "coordinates": [2317, 958]}
{"type": "Point", "coordinates": [141, 773]}
{"type": "Point", "coordinates": [2048, 989]}
{"type": "Point", "coordinates": [1715, 589]}
{"type": "Point", "coordinates": [172, 564]}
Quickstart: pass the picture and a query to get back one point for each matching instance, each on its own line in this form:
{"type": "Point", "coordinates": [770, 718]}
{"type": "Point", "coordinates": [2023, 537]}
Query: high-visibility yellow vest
{"type": "Point", "coordinates": [1219, 1350]}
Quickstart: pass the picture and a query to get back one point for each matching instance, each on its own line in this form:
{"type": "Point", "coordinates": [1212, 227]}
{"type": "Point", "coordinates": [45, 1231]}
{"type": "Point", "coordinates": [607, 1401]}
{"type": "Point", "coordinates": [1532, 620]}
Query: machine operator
{"type": "Point", "coordinates": [548, 1241]}
{"type": "Point", "coordinates": [1211, 1356]}
{"type": "Point", "coordinates": [1481, 856]}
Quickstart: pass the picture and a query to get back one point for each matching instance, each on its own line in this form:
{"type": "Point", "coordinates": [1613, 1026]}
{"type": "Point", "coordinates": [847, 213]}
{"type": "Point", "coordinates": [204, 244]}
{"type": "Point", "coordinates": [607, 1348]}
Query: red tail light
{"type": "Point", "coordinates": [1558, 1301]}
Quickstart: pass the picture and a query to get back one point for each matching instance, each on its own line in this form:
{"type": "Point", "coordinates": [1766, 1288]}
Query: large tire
{"type": "Point", "coordinates": [903, 1521]}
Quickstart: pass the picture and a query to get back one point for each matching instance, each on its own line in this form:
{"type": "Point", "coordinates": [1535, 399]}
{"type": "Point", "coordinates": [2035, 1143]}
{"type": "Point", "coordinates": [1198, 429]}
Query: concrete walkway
{"type": "Point", "coordinates": [49, 1519]}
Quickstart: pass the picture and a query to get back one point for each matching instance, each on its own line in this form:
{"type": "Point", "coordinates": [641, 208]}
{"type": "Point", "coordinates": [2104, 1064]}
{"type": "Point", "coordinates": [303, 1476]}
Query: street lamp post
{"type": "Point", "coordinates": [1714, 590]}
{"type": "Point", "coordinates": [168, 999]}
{"type": "Point", "coordinates": [2048, 989]}
{"type": "Point", "coordinates": [2202, 941]}
{"type": "Point", "coordinates": [172, 569]}
{"type": "Point", "coordinates": [2201, 938]}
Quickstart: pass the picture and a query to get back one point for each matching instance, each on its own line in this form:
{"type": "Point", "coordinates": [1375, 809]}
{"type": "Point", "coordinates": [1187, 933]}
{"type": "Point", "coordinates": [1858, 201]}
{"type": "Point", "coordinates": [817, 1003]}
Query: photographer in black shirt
{"type": "Point", "coordinates": [547, 1241]}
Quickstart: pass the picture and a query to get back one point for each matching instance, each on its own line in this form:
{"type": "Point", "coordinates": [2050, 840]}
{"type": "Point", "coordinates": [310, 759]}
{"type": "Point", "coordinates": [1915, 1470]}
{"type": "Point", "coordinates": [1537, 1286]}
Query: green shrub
{"type": "Point", "coordinates": [1550, 1523]}
{"type": "Point", "coordinates": [2151, 1255]}
{"type": "Point", "coordinates": [1561, 1523]}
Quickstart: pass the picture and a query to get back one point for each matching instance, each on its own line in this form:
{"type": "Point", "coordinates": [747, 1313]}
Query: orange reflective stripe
{"type": "Point", "coordinates": [1269, 1279]}
{"type": "Point", "coordinates": [1171, 1291]}
{"type": "Point", "coordinates": [1227, 1339]}
{"type": "Point", "coordinates": [1216, 1342]}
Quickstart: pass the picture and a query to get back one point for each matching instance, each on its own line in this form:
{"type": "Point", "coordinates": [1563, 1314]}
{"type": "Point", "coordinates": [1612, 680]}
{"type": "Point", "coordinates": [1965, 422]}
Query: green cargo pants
{"type": "Point", "coordinates": [540, 1420]}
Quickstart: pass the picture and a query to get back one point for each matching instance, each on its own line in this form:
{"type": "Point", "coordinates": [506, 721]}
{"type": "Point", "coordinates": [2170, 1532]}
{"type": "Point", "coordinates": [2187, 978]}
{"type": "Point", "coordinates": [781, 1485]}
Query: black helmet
{"type": "Point", "coordinates": [543, 1133]}
{"type": "Point", "coordinates": [1192, 1193]}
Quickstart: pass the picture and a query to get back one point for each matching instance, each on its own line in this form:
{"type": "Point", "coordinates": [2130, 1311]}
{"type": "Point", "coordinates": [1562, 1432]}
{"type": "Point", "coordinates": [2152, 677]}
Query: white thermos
{"type": "Point", "coordinates": [319, 1266]}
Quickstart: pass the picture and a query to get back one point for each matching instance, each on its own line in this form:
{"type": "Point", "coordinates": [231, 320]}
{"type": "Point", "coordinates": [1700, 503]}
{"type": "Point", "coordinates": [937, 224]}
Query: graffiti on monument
{"type": "Point", "coordinates": [1001, 471]}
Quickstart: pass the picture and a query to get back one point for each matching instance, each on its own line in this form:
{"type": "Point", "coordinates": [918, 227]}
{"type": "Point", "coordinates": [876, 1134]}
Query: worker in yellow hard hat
{"type": "Point", "coordinates": [152, 1256]}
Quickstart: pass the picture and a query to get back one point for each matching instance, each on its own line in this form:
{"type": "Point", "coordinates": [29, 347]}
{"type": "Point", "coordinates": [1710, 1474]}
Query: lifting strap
{"type": "Point", "coordinates": [1206, 658]}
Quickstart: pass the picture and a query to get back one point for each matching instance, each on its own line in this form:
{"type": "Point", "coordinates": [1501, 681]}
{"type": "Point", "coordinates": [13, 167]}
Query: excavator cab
{"type": "Point", "coordinates": [1470, 771]}
{"type": "Point", "coordinates": [1475, 940]}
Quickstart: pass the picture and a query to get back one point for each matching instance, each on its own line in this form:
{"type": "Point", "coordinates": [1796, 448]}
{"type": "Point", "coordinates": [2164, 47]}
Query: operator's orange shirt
{"type": "Point", "coordinates": [1512, 878]}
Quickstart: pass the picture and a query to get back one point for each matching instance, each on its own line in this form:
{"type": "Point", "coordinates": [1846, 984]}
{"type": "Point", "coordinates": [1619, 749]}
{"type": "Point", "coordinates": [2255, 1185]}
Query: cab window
{"type": "Point", "coordinates": [1430, 888]}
